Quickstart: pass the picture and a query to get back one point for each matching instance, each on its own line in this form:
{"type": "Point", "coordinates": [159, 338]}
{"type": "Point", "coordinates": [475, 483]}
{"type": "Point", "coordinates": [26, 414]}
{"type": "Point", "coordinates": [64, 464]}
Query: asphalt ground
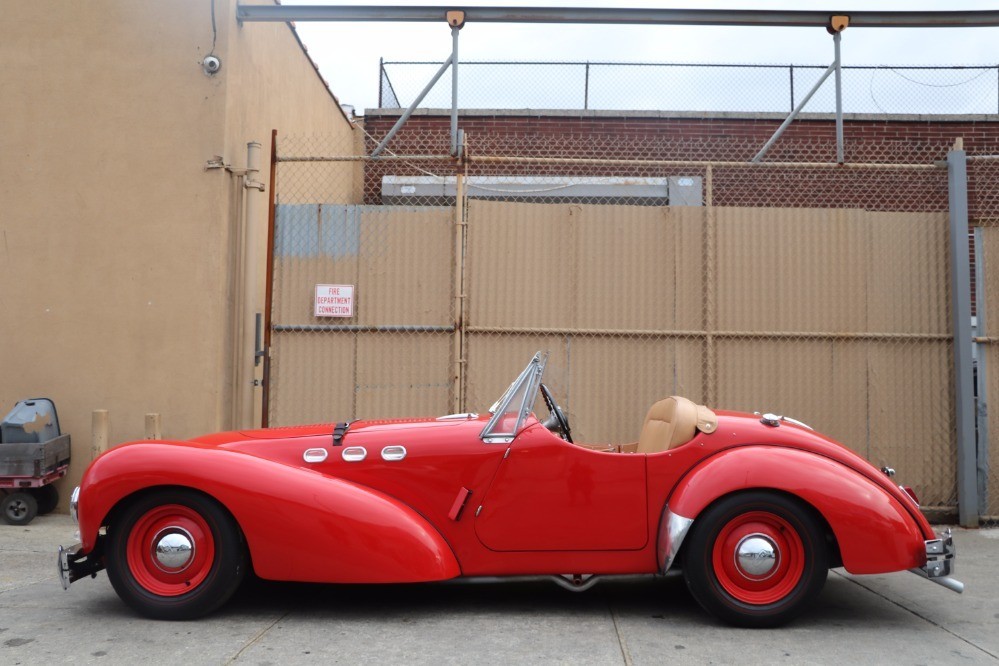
{"type": "Point", "coordinates": [891, 619]}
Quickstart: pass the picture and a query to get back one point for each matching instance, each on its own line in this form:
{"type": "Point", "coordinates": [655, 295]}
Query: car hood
{"type": "Point", "coordinates": [390, 427]}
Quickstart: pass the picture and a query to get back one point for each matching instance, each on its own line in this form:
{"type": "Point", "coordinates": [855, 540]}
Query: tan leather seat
{"type": "Point", "coordinates": [673, 422]}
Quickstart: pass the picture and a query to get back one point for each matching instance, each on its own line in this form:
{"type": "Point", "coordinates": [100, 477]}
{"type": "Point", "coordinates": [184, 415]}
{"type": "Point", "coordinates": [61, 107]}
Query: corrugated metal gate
{"type": "Point", "coordinates": [757, 299]}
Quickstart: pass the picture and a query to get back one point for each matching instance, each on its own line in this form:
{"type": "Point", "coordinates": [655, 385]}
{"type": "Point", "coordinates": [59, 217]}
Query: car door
{"type": "Point", "coordinates": [549, 495]}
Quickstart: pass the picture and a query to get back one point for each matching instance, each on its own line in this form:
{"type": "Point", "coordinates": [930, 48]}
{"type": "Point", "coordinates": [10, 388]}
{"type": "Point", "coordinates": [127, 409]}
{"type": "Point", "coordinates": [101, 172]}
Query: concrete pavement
{"type": "Point", "coordinates": [896, 619]}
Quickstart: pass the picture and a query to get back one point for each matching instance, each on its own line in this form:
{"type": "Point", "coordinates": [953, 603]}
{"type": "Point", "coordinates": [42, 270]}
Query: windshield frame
{"type": "Point", "coordinates": [515, 403]}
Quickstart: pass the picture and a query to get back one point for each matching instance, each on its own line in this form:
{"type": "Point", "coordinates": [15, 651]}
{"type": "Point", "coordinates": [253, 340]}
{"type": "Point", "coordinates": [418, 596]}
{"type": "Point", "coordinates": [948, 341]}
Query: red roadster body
{"type": "Point", "coordinates": [755, 510]}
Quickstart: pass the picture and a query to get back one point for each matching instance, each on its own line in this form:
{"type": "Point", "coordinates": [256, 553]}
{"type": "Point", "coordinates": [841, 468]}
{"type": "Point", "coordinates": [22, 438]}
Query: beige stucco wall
{"type": "Point", "coordinates": [116, 245]}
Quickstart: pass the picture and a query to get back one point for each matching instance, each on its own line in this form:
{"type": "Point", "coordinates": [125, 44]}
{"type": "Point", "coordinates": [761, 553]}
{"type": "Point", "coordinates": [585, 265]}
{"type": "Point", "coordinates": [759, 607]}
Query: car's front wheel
{"type": "Point", "coordinates": [756, 559]}
{"type": "Point", "coordinates": [175, 555]}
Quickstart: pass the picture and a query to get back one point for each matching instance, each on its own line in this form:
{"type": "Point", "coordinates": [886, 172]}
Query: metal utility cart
{"type": "Point", "coordinates": [33, 454]}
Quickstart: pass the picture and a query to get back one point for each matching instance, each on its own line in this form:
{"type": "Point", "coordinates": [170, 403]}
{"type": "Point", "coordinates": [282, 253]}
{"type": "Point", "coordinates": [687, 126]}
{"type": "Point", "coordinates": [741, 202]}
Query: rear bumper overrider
{"type": "Point", "coordinates": [939, 565]}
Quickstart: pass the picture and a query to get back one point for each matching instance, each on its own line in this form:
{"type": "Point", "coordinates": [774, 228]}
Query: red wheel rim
{"type": "Point", "coordinates": [170, 575]}
{"type": "Point", "coordinates": [760, 580]}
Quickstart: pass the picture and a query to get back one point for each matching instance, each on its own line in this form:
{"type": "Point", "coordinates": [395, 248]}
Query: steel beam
{"type": "Point", "coordinates": [625, 16]}
{"type": "Point", "coordinates": [964, 389]}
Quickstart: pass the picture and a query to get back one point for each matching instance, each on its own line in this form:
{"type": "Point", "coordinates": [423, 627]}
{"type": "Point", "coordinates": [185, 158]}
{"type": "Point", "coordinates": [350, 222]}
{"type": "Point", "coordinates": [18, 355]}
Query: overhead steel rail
{"type": "Point", "coordinates": [456, 18]}
{"type": "Point", "coordinates": [623, 16]}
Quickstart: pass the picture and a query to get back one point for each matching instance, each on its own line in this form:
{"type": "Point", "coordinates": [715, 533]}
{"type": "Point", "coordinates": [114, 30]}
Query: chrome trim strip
{"type": "Point", "coordinates": [673, 529]}
{"type": "Point", "coordinates": [74, 505]}
{"type": "Point", "coordinates": [466, 416]}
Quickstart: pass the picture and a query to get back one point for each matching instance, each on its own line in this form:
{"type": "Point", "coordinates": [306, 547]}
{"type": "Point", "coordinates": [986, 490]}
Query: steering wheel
{"type": "Point", "coordinates": [556, 419]}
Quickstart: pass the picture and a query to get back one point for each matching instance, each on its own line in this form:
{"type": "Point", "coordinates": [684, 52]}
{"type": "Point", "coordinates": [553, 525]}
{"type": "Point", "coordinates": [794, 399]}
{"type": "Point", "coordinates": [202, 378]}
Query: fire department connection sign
{"type": "Point", "coordinates": [334, 300]}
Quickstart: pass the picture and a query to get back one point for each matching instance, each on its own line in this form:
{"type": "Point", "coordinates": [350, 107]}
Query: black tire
{"type": "Point", "coordinates": [170, 589]}
{"type": "Point", "coordinates": [47, 498]}
{"type": "Point", "coordinates": [18, 508]}
{"type": "Point", "coordinates": [783, 566]}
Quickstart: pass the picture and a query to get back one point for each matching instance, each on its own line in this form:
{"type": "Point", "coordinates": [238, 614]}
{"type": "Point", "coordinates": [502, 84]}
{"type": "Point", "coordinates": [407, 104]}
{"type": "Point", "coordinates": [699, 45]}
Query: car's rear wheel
{"type": "Point", "coordinates": [175, 555]}
{"type": "Point", "coordinates": [756, 559]}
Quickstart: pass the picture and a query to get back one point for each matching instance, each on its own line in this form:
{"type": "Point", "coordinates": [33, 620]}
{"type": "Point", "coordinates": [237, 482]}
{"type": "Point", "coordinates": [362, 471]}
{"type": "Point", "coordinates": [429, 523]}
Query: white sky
{"type": "Point", "coordinates": [348, 53]}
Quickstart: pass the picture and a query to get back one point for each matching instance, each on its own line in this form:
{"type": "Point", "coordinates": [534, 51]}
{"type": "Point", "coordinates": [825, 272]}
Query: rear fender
{"type": "Point", "coordinates": [875, 533]}
{"type": "Point", "coordinates": [299, 524]}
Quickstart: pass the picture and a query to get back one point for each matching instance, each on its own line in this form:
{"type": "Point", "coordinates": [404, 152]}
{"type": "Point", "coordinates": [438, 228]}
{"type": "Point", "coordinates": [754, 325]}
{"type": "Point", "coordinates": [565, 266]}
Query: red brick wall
{"type": "Point", "coordinates": [714, 139]}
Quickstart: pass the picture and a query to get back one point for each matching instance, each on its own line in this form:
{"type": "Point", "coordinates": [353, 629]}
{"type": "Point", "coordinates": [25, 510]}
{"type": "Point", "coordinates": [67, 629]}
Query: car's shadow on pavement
{"type": "Point", "coordinates": [841, 603]}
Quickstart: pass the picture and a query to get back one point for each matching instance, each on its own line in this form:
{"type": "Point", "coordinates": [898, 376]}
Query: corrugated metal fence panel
{"type": "Point", "coordinates": [393, 358]}
{"type": "Point", "coordinates": [597, 285]}
{"type": "Point", "coordinates": [824, 315]}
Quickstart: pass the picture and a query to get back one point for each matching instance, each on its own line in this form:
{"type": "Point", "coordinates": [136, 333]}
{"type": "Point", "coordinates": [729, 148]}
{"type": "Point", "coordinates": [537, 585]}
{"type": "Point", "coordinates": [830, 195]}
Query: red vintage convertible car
{"type": "Point", "coordinates": [754, 509]}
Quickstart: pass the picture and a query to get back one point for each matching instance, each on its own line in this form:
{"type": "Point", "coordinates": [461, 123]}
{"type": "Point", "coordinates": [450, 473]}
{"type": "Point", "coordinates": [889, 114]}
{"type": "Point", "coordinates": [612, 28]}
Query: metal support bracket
{"type": "Point", "coordinates": [456, 19]}
{"type": "Point", "coordinates": [835, 27]}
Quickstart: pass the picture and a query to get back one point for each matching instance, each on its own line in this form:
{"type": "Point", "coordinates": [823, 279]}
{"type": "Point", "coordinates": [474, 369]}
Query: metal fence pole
{"type": "Point", "coordinates": [960, 284]}
{"type": "Point", "coordinates": [981, 376]}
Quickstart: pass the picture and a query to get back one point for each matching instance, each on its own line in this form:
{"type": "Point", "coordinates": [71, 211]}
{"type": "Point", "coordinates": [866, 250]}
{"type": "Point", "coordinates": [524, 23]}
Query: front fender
{"type": "Point", "coordinates": [875, 533]}
{"type": "Point", "coordinates": [299, 524]}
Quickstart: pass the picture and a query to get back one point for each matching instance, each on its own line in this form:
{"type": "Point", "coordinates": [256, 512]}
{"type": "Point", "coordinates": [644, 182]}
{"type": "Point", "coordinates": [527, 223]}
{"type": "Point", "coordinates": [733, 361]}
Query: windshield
{"type": "Point", "coordinates": [515, 404]}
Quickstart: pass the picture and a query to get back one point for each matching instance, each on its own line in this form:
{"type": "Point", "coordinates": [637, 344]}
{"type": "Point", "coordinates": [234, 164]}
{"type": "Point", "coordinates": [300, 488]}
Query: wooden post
{"type": "Point", "coordinates": [99, 432]}
{"type": "Point", "coordinates": [153, 430]}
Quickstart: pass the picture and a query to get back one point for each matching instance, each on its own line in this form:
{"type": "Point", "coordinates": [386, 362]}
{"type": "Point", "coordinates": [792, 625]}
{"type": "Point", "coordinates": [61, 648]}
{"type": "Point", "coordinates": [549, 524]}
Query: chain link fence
{"type": "Point", "coordinates": [648, 267]}
{"type": "Point", "coordinates": [615, 86]}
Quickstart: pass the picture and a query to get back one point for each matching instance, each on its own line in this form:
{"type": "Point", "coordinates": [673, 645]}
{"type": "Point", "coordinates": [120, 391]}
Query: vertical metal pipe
{"type": "Point", "coordinates": [381, 80]}
{"type": "Point", "coordinates": [251, 251]}
{"type": "Point", "coordinates": [964, 391]}
{"type": "Point", "coordinates": [791, 74]}
{"type": "Point", "coordinates": [454, 89]}
{"type": "Point", "coordinates": [586, 88]}
{"type": "Point", "coordinates": [837, 37]}
{"type": "Point", "coordinates": [710, 294]}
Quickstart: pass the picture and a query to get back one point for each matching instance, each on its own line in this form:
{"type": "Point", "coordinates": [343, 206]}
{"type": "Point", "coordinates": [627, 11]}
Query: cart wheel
{"type": "Point", "coordinates": [19, 508]}
{"type": "Point", "coordinates": [47, 498]}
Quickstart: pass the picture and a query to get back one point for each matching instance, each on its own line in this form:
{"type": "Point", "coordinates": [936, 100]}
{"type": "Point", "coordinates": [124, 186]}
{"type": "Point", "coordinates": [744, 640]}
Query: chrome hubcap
{"type": "Point", "coordinates": [756, 556]}
{"type": "Point", "coordinates": [173, 549]}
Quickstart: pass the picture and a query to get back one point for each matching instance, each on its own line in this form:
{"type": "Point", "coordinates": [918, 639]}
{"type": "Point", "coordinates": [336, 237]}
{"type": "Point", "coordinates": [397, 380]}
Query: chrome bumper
{"type": "Point", "coordinates": [940, 562]}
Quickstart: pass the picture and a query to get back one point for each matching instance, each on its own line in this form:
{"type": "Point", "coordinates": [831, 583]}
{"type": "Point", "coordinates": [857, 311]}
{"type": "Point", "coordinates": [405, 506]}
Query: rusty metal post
{"type": "Point", "coordinates": [710, 302]}
{"type": "Point", "coordinates": [460, 224]}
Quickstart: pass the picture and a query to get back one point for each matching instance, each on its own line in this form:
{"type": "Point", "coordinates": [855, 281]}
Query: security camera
{"type": "Point", "coordinates": [211, 64]}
